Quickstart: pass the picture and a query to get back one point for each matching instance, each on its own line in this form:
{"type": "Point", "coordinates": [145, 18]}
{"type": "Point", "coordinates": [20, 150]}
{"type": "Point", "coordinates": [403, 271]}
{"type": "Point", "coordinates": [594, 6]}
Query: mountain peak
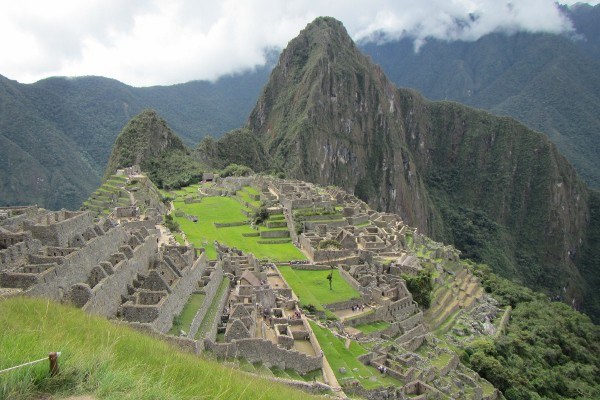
{"type": "Point", "coordinates": [145, 136]}
{"type": "Point", "coordinates": [325, 37]}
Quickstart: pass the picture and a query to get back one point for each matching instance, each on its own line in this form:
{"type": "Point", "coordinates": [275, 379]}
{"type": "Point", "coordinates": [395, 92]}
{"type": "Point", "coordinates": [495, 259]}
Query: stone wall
{"type": "Point", "coordinates": [76, 267]}
{"type": "Point", "coordinates": [212, 331]}
{"type": "Point", "coordinates": [275, 234]}
{"type": "Point", "coordinates": [180, 294]}
{"type": "Point", "coordinates": [60, 228]}
{"type": "Point", "coordinates": [326, 255]}
{"type": "Point", "coordinates": [343, 305]}
{"type": "Point", "coordinates": [261, 350]}
{"type": "Point", "coordinates": [351, 281]}
{"type": "Point", "coordinates": [209, 290]}
{"type": "Point", "coordinates": [106, 295]}
{"type": "Point", "coordinates": [311, 267]}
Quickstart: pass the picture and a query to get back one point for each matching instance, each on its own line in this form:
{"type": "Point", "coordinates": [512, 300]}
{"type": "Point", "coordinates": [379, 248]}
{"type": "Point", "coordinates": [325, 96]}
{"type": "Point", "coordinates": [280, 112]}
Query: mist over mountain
{"type": "Point", "coordinates": [549, 82]}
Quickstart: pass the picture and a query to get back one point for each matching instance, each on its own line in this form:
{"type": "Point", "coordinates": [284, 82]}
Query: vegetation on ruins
{"type": "Point", "coordinates": [548, 350]}
{"type": "Point", "coordinates": [109, 361]}
{"type": "Point", "coordinates": [235, 170]}
{"type": "Point", "coordinates": [171, 223]}
{"type": "Point", "coordinates": [420, 286]}
{"type": "Point", "coordinates": [329, 244]}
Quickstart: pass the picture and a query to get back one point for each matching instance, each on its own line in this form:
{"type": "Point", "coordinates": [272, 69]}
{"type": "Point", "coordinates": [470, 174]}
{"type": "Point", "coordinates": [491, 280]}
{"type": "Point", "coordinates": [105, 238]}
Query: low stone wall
{"type": "Point", "coordinates": [277, 224]}
{"type": "Point", "coordinates": [229, 224]}
{"type": "Point", "coordinates": [261, 350]}
{"type": "Point", "coordinates": [212, 331]}
{"type": "Point", "coordinates": [326, 255]}
{"type": "Point", "coordinates": [415, 332]}
{"type": "Point", "coordinates": [412, 321]}
{"type": "Point", "coordinates": [451, 366]}
{"type": "Point", "coordinates": [210, 289]}
{"type": "Point", "coordinates": [311, 267]}
{"type": "Point", "coordinates": [348, 278]}
{"type": "Point", "coordinates": [275, 234]}
{"type": "Point", "coordinates": [358, 219]}
{"type": "Point", "coordinates": [343, 305]}
{"type": "Point", "coordinates": [331, 224]}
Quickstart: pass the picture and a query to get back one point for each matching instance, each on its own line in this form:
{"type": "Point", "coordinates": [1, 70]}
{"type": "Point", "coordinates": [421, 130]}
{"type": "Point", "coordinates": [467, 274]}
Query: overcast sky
{"type": "Point", "coordinates": [153, 42]}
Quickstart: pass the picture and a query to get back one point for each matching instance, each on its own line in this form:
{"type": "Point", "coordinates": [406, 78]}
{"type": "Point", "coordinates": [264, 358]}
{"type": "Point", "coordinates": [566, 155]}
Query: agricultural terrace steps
{"type": "Point", "coordinates": [460, 292]}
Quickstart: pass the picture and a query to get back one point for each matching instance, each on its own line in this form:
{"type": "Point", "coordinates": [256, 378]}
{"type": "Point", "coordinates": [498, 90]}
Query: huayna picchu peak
{"type": "Point", "coordinates": [499, 191]}
{"type": "Point", "coordinates": [352, 240]}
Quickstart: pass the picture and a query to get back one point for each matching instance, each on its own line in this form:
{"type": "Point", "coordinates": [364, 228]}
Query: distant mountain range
{"type": "Point", "coordinates": [56, 134]}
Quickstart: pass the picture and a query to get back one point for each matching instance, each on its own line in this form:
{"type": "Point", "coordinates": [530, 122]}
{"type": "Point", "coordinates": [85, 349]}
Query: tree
{"type": "Point", "coordinates": [330, 279]}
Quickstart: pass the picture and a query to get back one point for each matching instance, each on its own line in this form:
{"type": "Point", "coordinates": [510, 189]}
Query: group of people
{"type": "Point", "coordinates": [358, 307]}
{"type": "Point", "coordinates": [382, 369]}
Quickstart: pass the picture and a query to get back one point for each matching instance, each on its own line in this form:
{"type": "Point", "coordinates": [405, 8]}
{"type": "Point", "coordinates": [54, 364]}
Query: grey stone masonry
{"type": "Point", "coordinates": [270, 354]}
{"type": "Point", "coordinates": [158, 300]}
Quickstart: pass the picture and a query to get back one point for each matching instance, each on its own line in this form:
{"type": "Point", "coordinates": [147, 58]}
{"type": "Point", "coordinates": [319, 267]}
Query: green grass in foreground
{"type": "Point", "coordinates": [109, 361]}
{"type": "Point", "coordinates": [312, 287]}
{"type": "Point", "coordinates": [224, 210]}
{"type": "Point", "coordinates": [339, 356]}
{"type": "Point", "coordinates": [184, 320]}
{"type": "Point", "coordinates": [373, 326]}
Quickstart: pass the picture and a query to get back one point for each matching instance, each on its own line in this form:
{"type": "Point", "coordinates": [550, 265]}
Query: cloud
{"type": "Point", "coordinates": [144, 42]}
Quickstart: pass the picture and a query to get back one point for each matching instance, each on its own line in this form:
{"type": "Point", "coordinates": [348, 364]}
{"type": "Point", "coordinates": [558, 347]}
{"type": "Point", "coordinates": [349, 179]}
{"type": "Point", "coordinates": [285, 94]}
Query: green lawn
{"type": "Point", "coordinates": [223, 210]}
{"type": "Point", "coordinates": [339, 356]}
{"type": "Point", "coordinates": [373, 326]}
{"type": "Point", "coordinates": [109, 361]}
{"type": "Point", "coordinates": [187, 314]}
{"type": "Point", "coordinates": [312, 287]}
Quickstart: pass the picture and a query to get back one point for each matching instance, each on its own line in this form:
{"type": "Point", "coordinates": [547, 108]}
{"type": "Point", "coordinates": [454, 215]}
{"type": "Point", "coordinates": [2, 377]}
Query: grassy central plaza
{"type": "Point", "coordinates": [312, 287]}
{"type": "Point", "coordinates": [224, 210]}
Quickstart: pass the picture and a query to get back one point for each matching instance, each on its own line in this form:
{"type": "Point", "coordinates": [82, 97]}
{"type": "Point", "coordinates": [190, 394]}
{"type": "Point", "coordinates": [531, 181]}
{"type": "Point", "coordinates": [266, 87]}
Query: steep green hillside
{"type": "Point", "coordinates": [499, 191]}
{"type": "Point", "coordinates": [549, 82]}
{"type": "Point", "coordinates": [147, 141]}
{"type": "Point", "coordinates": [109, 361]}
{"type": "Point", "coordinates": [38, 162]}
{"type": "Point", "coordinates": [239, 146]}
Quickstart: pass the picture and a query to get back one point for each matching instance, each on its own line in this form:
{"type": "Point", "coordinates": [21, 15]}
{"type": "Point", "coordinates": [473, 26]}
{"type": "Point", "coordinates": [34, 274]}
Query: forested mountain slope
{"type": "Point", "coordinates": [550, 82]}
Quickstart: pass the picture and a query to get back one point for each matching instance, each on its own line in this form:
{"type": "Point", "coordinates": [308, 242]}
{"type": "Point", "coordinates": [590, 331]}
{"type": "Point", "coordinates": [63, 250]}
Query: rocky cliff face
{"type": "Point", "coordinates": [328, 115]}
{"type": "Point", "coordinates": [499, 191]}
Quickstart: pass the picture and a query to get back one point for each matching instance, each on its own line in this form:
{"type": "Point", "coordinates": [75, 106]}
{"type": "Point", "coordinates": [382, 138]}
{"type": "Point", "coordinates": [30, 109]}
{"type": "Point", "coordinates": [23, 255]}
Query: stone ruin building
{"type": "Point", "coordinates": [261, 320]}
{"type": "Point", "coordinates": [115, 267]}
{"type": "Point", "coordinates": [105, 268]}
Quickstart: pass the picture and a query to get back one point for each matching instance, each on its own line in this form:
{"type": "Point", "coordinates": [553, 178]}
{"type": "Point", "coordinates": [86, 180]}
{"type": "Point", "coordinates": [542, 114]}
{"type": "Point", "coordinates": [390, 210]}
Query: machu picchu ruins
{"type": "Point", "coordinates": [119, 260]}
